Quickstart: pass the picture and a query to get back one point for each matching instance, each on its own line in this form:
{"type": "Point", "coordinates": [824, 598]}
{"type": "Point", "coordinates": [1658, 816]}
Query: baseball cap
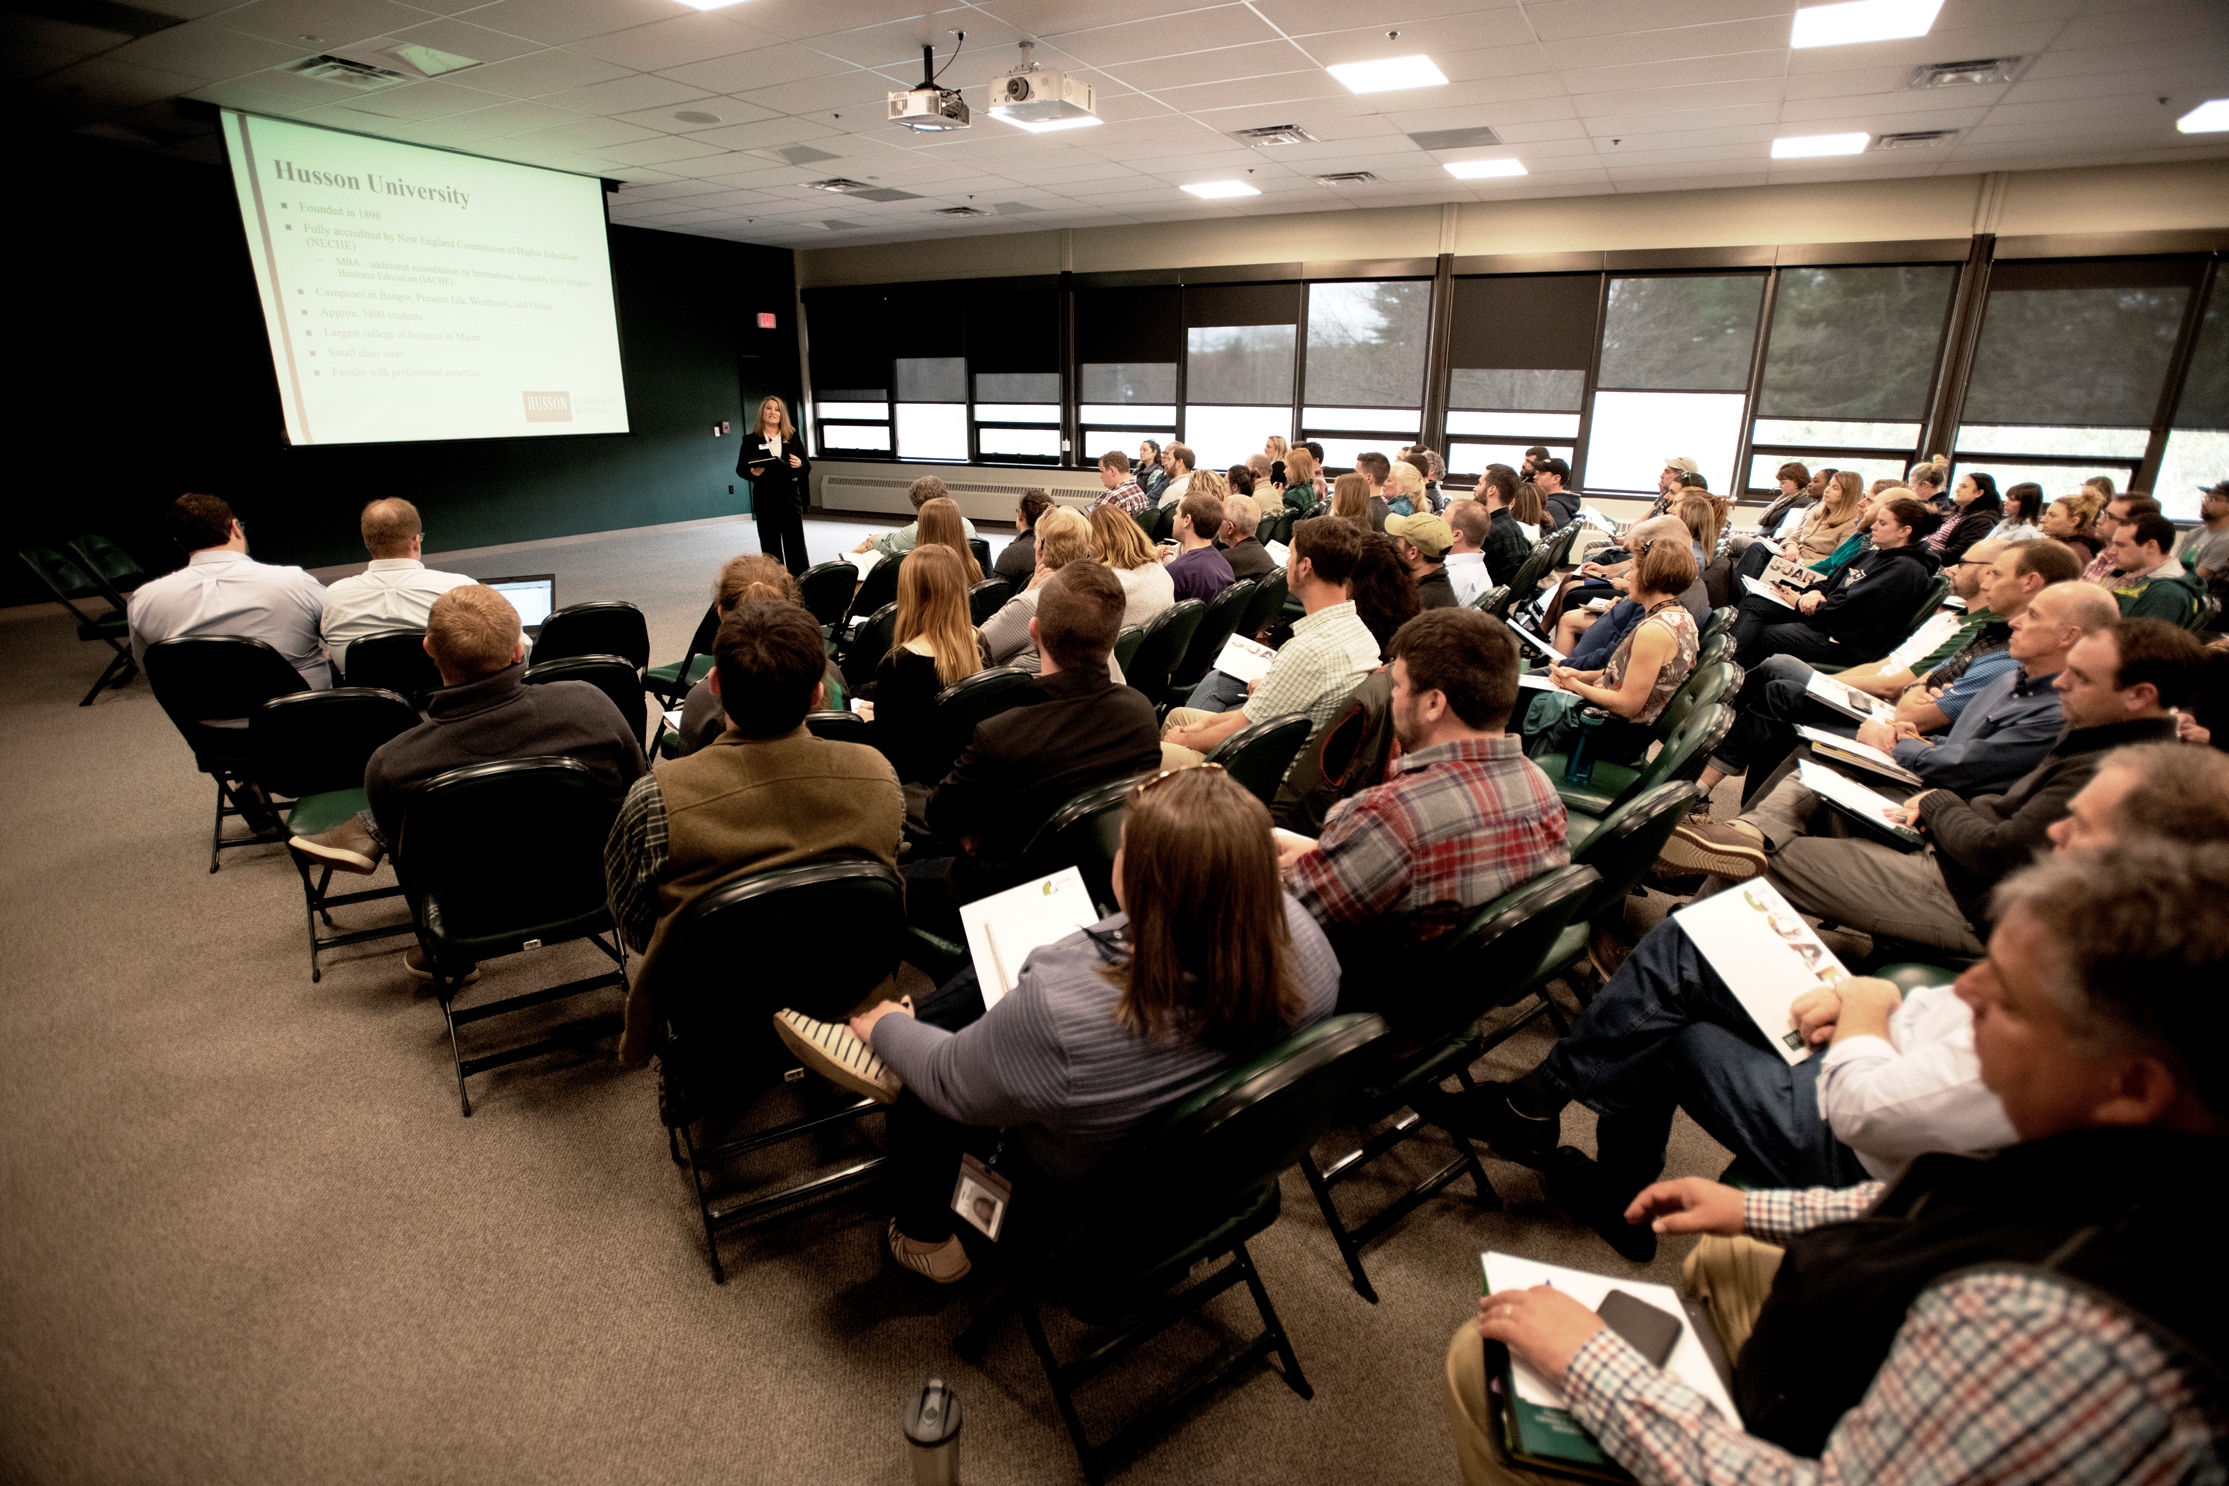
{"type": "Point", "coordinates": [1424, 529]}
{"type": "Point", "coordinates": [1554, 467]}
{"type": "Point", "coordinates": [2219, 487]}
{"type": "Point", "coordinates": [1681, 463]}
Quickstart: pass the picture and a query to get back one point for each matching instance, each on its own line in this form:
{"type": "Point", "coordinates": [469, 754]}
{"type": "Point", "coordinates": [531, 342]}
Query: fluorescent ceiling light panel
{"type": "Point", "coordinates": [1483, 170]}
{"type": "Point", "coordinates": [1811, 146]}
{"type": "Point", "coordinates": [710, 4]}
{"type": "Point", "coordinates": [1863, 20]}
{"type": "Point", "coordinates": [1388, 73]}
{"type": "Point", "coordinates": [1049, 126]}
{"type": "Point", "coordinates": [2210, 117]}
{"type": "Point", "coordinates": [1219, 190]}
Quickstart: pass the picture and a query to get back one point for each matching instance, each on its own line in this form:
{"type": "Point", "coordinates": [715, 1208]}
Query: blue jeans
{"type": "Point", "coordinates": [1218, 693]}
{"type": "Point", "coordinates": [1774, 698]}
{"type": "Point", "coordinates": [1665, 1034]}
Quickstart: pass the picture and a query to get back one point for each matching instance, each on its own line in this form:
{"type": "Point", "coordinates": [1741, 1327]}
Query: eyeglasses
{"type": "Point", "coordinates": [1165, 775]}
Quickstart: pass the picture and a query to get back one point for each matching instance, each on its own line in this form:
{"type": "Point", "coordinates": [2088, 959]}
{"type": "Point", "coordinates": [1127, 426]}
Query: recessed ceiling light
{"type": "Point", "coordinates": [1481, 170]}
{"type": "Point", "coordinates": [710, 4]}
{"type": "Point", "coordinates": [1050, 126]}
{"type": "Point", "coordinates": [2210, 117]}
{"type": "Point", "coordinates": [1863, 20]}
{"type": "Point", "coordinates": [1219, 190]}
{"type": "Point", "coordinates": [1388, 73]}
{"type": "Point", "coordinates": [1810, 146]}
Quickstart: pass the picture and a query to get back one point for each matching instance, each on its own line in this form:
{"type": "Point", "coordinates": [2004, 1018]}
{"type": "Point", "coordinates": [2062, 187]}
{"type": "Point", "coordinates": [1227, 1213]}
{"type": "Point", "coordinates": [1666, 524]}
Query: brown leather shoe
{"type": "Point", "coordinates": [1734, 850]}
{"type": "Point", "coordinates": [347, 847]}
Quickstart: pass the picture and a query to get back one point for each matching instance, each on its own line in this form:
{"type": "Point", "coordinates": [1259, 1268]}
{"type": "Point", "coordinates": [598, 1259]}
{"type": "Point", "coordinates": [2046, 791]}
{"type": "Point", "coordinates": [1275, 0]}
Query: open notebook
{"type": "Point", "coordinates": [1003, 928]}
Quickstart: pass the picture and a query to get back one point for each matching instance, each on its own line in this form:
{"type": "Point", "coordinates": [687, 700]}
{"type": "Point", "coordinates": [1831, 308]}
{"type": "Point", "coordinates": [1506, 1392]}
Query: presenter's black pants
{"type": "Point", "coordinates": [781, 529]}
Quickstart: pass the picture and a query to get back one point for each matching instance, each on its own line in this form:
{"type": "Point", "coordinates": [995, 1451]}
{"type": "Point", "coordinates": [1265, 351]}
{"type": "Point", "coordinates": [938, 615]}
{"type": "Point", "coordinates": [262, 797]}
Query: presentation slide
{"type": "Point", "coordinates": [414, 294]}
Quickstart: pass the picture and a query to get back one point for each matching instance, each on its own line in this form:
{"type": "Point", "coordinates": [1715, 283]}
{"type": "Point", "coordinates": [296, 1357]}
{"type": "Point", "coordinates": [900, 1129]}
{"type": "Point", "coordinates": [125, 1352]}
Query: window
{"type": "Point", "coordinates": [1127, 346]}
{"type": "Point", "coordinates": [850, 409]}
{"type": "Point", "coordinates": [1366, 350]}
{"type": "Point", "coordinates": [1673, 377]}
{"type": "Point", "coordinates": [1013, 349]}
{"type": "Point", "coordinates": [1240, 352]}
{"type": "Point", "coordinates": [2198, 443]}
{"type": "Point", "coordinates": [932, 407]}
{"type": "Point", "coordinates": [1848, 369]}
{"type": "Point", "coordinates": [1519, 352]}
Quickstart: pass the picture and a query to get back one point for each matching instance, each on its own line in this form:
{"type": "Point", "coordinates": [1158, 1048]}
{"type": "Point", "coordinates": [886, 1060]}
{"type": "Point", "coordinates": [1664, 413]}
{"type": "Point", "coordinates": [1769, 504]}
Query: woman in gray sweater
{"type": "Point", "coordinates": [1209, 962]}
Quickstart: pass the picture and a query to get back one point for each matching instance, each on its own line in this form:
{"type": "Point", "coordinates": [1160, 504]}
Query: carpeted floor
{"type": "Point", "coordinates": [247, 1236]}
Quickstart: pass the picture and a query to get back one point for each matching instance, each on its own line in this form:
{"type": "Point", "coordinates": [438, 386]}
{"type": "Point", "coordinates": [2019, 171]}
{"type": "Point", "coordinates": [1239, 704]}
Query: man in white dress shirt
{"type": "Point", "coordinates": [396, 591]}
{"type": "Point", "coordinates": [221, 591]}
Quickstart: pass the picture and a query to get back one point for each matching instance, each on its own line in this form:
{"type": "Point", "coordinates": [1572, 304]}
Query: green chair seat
{"type": "Point", "coordinates": [1570, 945]}
{"type": "Point", "coordinates": [1583, 824]}
{"type": "Point", "coordinates": [112, 626]}
{"type": "Point", "coordinates": [313, 814]}
{"type": "Point", "coordinates": [1595, 796]}
{"type": "Point", "coordinates": [670, 676]}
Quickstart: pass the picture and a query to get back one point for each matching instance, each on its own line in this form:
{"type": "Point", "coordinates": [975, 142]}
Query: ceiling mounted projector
{"type": "Point", "coordinates": [1035, 95]}
{"type": "Point", "coordinates": [927, 107]}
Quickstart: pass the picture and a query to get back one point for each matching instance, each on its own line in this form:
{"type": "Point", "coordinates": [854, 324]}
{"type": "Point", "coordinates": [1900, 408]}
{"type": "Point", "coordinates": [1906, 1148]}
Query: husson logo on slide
{"type": "Point", "coordinates": [549, 407]}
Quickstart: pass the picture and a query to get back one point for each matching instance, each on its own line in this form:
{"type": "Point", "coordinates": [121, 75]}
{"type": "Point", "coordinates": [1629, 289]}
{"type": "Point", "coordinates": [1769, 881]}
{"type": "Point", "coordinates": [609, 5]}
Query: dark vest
{"type": "Point", "coordinates": [2127, 1215]}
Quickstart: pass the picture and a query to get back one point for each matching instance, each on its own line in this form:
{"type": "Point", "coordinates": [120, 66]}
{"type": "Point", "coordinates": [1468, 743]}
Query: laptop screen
{"type": "Point", "coordinates": [533, 595]}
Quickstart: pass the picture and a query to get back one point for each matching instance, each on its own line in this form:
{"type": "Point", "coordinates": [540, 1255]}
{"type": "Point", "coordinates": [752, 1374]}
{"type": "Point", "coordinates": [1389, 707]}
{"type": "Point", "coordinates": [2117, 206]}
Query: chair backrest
{"type": "Point", "coordinates": [1685, 751]}
{"type": "Point", "coordinates": [751, 947]}
{"type": "Point", "coordinates": [1126, 647]}
{"type": "Point", "coordinates": [1629, 839]}
{"type": "Point", "coordinates": [1721, 620]}
{"type": "Point", "coordinates": [212, 684]}
{"type": "Point", "coordinates": [396, 662]}
{"type": "Point", "coordinates": [2204, 613]}
{"type": "Point", "coordinates": [494, 855]}
{"type": "Point", "coordinates": [1561, 553]}
{"type": "Point", "coordinates": [869, 644]}
{"type": "Point", "coordinates": [1161, 647]}
{"type": "Point", "coordinates": [1257, 756]}
{"type": "Point", "coordinates": [1526, 582]}
{"type": "Point", "coordinates": [1216, 626]}
{"type": "Point", "coordinates": [65, 578]}
{"type": "Point", "coordinates": [609, 674]}
{"type": "Point", "coordinates": [968, 701]}
{"type": "Point", "coordinates": [1494, 600]}
{"type": "Point", "coordinates": [1492, 955]}
{"type": "Point", "coordinates": [314, 742]}
{"type": "Point", "coordinates": [841, 727]}
{"type": "Point", "coordinates": [1159, 523]}
{"type": "Point", "coordinates": [700, 641]}
{"type": "Point", "coordinates": [987, 598]}
{"type": "Point", "coordinates": [981, 547]}
{"type": "Point", "coordinates": [827, 589]}
{"type": "Point", "coordinates": [1269, 601]}
{"type": "Point", "coordinates": [109, 564]}
{"type": "Point", "coordinates": [879, 587]}
{"type": "Point", "coordinates": [601, 627]}
{"type": "Point", "coordinates": [1704, 684]}
{"type": "Point", "coordinates": [1085, 834]}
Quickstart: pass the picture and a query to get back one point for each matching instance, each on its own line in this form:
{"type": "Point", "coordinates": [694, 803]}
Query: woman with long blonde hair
{"type": "Point", "coordinates": [773, 460]}
{"type": "Point", "coordinates": [1063, 537]}
{"type": "Point", "coordinates": [941, 524]}
{"type": "Point", "coordinates": [1147, 588]}
{"type": "Point", "coordinates": [1303, 492]}
{"type": "Point", "coordinates": [932, 647]}
{"type": "Point", "coordinates": [1826, 525]}
{"type": "Point", "coordinates": [1350, 499]}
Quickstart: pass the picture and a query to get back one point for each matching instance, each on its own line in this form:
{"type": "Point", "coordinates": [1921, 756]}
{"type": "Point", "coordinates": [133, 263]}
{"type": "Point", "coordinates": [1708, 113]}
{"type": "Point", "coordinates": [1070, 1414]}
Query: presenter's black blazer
{"type": "Point", "coordinates": [774, 479]}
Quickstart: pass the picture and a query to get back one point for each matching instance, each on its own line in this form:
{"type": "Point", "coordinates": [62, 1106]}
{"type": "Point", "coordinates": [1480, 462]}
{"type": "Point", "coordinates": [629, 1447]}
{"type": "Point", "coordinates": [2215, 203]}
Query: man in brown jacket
{"type": "Point", "coordinates": [764, 794]}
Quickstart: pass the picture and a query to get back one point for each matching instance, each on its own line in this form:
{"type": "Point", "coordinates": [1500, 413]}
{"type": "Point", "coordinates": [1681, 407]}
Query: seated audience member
{"type": "Point", "coordinates": [1017, 561]}
{"type": "Point", "coordinates": [2026, 1317]}
{"type": "Point", "coordinates": [1303, 481]}
{"type": "Point", "coordinates": [1705, 519]}
{"type": "Point", "coordinates": [1463, 816]}
{"type": "Point", "coordinates": [1553, 476]}
{"type": "Point", "coordinates": [1373, 467]}
{"type": "Point", "coordinates": [1178, 462]}
{"type": "Point", "coordinates": [221, 591]}
{"type": "Point", "coordinates": [1633, 685]}
{"type": "Point", "coordinates": [1121, 545]}
{"type": "Point", "coordinates": [1207, 963]}
{"type": "Point", "coordinates": [941, 526]}
{"type": "Point", "coordinates": [1823, 529]}
{"type": "Point", "coordinates": [2205, 552]}
{"type": "Point", "coordinates": [1242, 516]}
{"type": "Point", "coordinates": [1421, 542]}
{"type": "Point", "coordinates": [1796, 494]}
{"type": "Point", "coordinates": [1857, 614]}
{"type": "Point", "coordinates": [1403, 489]}
{"type": "Point", "coordinates": [2023, 511]}
{"type": "Point", "coordinates": [1995, 581]}
{"type": "Point", "coordinates": [1121, 492]}
{"type": "Point", "coordinates": [1467, 521]}
{"type": "Point", "coordinates": [1082, 728]}
{"type": "Point", "coordinates": [2105, 567]}
{"type": "Point", "coordinates": [752, 575]}
{"type": "Point", "coordinates": [1350, 500]}
{"type": "Point", "coordinates": [1151, 474]}
{"type": "Point", "coordinates": [1668, 486]}
{"type": "Point", "coordinates": [1530, 509]}
{"type": "Point", "coordinates": [1984, 730]}
{"type": "Point", "coordinates": [2115, 689]}
{"type": "Point", "coordinates": [1978, 509]}
{"type": "Point", "coordinates": [920, 492]}
{"type": "Point", "coordinates": [484, 711]}
{"type": "Point", "coordinates": [932, 647]}
{"type": "Point", "coordinates": [1330, 651]}
{"type": "Point", "coordinates": [2072, 519]}
{"type": "Point", "coordinates": [2152, 584]}
{"type": "Point", "coordinates": [1063, 536]}
{"type": "Point", "coordinates": [1588, 640]}
{"type": "Point", "coordinates": [1505, 546]}
{"type": "Point", "coordinates": [766, 794]}
{"type": "Point", "coordinates": [1239, 479]}
{"type": "Point", "coordinates": [1927, 481]}
{"type": "Point", "coordinates": [1384, 594]}
{"type": "Point", "coordinates": [1199, 570]}
{"type": "Point", "coordinates": [395, 591]}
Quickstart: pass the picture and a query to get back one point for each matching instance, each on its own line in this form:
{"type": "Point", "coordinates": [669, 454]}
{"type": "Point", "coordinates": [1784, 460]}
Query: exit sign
{"type": "Point", "coordinates": [766, 319]}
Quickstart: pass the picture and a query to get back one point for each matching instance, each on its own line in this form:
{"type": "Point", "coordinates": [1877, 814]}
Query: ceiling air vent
{"type": "Point", "coordinates": [841, 185]}
{"type": "Point", "coordinates": [359, 75]}
{"type": "Point", "coordinates": [1915, 139]}
{"type": "Point", "coordinates": [1960, 74]}
{"type": "Point", "coordinates": [960, 211]}
{"type": "Point", "coordinates": [1275, 134]}
{"type": "Point", "coordinates": [1478, 137]}
{"type": "Point", "coordinates": [1346, 178]}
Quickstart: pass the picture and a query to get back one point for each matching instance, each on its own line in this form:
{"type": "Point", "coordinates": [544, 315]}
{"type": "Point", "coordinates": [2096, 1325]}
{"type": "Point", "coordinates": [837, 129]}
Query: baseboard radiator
{"type": "Point", "coordinates": [982, 494]}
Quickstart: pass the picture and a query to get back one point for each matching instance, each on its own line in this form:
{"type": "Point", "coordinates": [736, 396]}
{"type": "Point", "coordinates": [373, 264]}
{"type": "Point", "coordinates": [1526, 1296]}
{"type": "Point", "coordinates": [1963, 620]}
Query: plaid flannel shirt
{"type": "Point", "coordinates": [1126, 498]}
{"type": "Point", "coordinates": [1995, 1377]}
{"type": "Point", "coordinates": [1453, 827]}
{"type": "Point", "coordinates": [634, 860]}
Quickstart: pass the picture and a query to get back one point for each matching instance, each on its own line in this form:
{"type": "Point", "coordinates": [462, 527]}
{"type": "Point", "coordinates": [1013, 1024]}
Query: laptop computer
{"type": "Point", "coordinates": [534, 595]}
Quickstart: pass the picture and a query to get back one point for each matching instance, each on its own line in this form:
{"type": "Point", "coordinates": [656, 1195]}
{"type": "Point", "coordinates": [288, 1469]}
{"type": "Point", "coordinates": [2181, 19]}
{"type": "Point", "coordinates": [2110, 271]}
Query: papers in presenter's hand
{"type": "Point", "coordinates": [1765, 591]}
{"type": "Point", "coordinates": [1868, 807]}
{"type": "Point", "coordinates": [1860, 755]}
{"type": "Point", "coordinates": [1765, 952]}
{"type": "Point", "coordinates": [1242, 659]}
{"type": "Point", "coordinates": [1922, 642]}
{"type": "Point", "coordinates": [1847, 700]}
{"type": "Point", "coordinates": [1003, 928]}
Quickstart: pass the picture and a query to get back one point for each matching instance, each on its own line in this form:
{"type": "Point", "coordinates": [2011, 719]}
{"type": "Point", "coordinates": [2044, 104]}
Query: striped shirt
{"type": "Point", "coordinates": [2004, 1377]}
{"type": "Point", "coordinates": [1050, 1063]}
{"type": "Point", "coordinates": [1453, 827]}
{"type": "Point", "coordinates": [1329, 653]}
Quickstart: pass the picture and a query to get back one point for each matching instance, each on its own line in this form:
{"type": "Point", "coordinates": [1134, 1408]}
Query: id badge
{"type": "Point", "coordinates": [980, 1197]}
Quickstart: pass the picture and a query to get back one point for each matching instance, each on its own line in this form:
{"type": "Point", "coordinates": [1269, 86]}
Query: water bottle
{"type": "Point", "coordinates": [932, 1425]}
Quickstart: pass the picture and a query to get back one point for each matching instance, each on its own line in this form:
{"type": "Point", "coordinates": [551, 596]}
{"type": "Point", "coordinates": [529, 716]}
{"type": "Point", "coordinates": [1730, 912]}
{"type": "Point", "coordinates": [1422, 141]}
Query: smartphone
{"type": "Point", "coordinates": [1653, 1333]}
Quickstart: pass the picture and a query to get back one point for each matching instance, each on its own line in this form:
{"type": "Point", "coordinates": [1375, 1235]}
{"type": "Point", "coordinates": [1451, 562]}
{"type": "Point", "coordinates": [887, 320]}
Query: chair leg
{"type": "Point", "coordinates": [1481, 1184]}
{"type": "Point", "coordinates": [447, 992]}
{"type": "Point", "coordinates": [1295, 1379]}
{"type": "Point", "coordinates": [312, 900]}
{"type": "Point", "coordinates": [120, 670]}
{"type": "Point", "coordinates": [1062, 1395]}
{"type": "Point", "coordinates": [1348, 1250]}
{"type": "Point", "coordinates": [704, 1209]}
{"type": "Point", "coordinates": [216, 831]}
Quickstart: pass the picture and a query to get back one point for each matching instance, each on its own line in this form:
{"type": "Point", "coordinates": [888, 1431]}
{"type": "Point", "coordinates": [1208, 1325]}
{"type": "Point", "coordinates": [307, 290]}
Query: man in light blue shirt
{"type": "Point", "coordinates": [221, 591]}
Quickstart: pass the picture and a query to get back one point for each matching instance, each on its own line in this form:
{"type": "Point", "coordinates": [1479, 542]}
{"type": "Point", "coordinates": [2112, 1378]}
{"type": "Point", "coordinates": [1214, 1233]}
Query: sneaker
{"type": "Point", "coordinates": [947, 1263]}
{"type": "Point", "coordinates": [347, 847]}
{"type": "Point", "coordinates": [830, 1050]}
{"type": "Point", "coordinates": [1734, 851]}
{"type": "Point", "coordinates": [419, 968]}
{"type": "Point", "coordinates": [1583, 1189]}
{"type": "Point", "coordinates": [1486, 1114]}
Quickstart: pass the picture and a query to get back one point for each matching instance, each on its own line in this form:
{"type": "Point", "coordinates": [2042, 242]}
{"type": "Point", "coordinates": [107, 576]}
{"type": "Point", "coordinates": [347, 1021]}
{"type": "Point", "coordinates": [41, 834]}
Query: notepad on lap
{"type": "Point", "coordinates": [1862, 805]}
{"type": "Point", "coordinates": [864, 561]}
{"type": "Point", "coordinates": [1859, 755]}
{"type": "Point", "coordinates": [1537, 643]}
{"type": "Point", "coordinates": [1765, 591]}
{"type": "Point", "coordinates": [1278, 552]}
{"type": "Point", "coordinates": [1242, 659]}
{"type": "Point", "coordinates": [1003, 928]}
{"type": "Point", "coordinates": [1847, 700]}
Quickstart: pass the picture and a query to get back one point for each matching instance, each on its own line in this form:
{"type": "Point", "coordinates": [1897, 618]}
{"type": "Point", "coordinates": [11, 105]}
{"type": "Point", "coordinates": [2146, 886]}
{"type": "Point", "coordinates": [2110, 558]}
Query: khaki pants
{"type": "Point", "coordinates": [1176, 755]}
{"type": "Point", "coordinates": [1731, 1276]}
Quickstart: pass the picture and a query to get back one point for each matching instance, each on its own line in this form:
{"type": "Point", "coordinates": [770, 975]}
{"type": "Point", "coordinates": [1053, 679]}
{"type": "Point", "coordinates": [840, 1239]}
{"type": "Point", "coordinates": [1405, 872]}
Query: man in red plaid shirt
{"type": "Point", "coordinates": [1462, 818]}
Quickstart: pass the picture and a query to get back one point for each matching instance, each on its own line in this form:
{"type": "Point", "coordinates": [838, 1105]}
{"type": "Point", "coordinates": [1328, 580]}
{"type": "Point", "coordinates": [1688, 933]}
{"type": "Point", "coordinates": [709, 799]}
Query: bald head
{"type": "Point", "coordinates": [391, 528]}
{"type": "Point", "coordinates": [2085, 607]}
{"type": "Point", "coordinates": [1969, 576]}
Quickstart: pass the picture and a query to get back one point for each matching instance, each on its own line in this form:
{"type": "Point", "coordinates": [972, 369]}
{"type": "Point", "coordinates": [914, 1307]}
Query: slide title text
{"type": "Point", "coordinates": [382, 185]}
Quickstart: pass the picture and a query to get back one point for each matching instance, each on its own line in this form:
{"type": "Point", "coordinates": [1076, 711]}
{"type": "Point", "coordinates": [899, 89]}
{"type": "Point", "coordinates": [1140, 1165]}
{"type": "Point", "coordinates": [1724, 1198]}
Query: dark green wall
{"type": "Point", "coordinates": [147, 373]}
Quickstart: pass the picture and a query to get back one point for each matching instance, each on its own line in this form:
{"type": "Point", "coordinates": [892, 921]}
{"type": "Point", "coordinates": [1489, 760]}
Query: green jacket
{"type": "Point", "coordinates": [2174, 599]}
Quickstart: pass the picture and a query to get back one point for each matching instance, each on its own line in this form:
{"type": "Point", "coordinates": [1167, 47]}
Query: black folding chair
{"type": "Point", "coordinates": [71, 585]}
{"type": "Point", "coordinates": [981, 547]}
{"type": "Point", "coordinates": [311, 748]}
{"type": "Point", "coordinates": [116, 570]}
{"type": "Point", "coordinates": [1269, 602]}
{"type": "Point", "coordinates": [396, 663]}
{"type": "Point", "coordinates": [1224, 614]}
{"type": "Point", "coordinates": [503, 857]}
{"type": "Point", "coordinates": [827, 589]}
{"type": "Point", "coordinates": [966, 702]}
{"type": "Point", "coordinates": [841, 727]}
{"type": "Point", "coordinates": [603, 627]}
{"type": "Point", "coordinates": [1161, 647]}
{"type": "Point", "coordinates": [210, 685]}
{"type": "Point", "coordinates": [670, 683]}
{"type": "Point", "coordinates": [731, 960]}
{"type": "Point", "coordinates": [987, 598]}
{"type": "Point", "coordinates": [1259, 755]}
{"type": "Point", "coordinates": [869, 643]}
{"type": "Point", "coordinates": [879, 587]}
{"type": "Point", "coordinates": [1622, 849]}
{"type": "Point", "coordinates": [609, 674]}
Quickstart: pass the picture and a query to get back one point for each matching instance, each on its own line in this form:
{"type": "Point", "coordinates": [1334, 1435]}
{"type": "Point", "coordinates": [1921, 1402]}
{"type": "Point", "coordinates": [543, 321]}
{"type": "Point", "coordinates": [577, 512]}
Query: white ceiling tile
{"type": "Point", "coordinates": [539, 73]}
{"type": "Point", "coordinates": [320, 23]}
{"type": "Point", "coordinates": [763, 67]}
{"type": "Point", "coordinates": [1615, 121]}
{"type": "Point", "coordinates": [849, 91]}
{"type": "Point", "coordinates": [1433, 38]}
{"type": "Point", "coordinates": [1558, 20]}
{"type": "Point", "coordinates": [1258, 59]}
{"type": "Point", "coordinates": [2139, 57]}
{"type": "Point", "coordinates": [200, 49]}
{"type": "Point", "coordinates": [1194, 31]}
{"type": "Point", "coordinates": [560, 21]}
{"type": "Point", "coordinates": [431, 100]}
{"type": "Point", "coordinates": [1671, 50]}
{"type": "Point", "coordinates": [1742, 69]}
{"type": "Point", "coordinates": [463, 39]}
{"type": "Point", "coordinates": [106, 85]}
{"type": "Point", "coordinates": [626, 95]}
{"type": "Point", "coordinates": [1943, 44]}
{"type": "Point", "coordinates": [659, 150]}
{"type": "Point", "coordinates": [1312, 17]}
{"type": "Point", "coordinates": [721, 110]}
{"type": "Point", "coordinates": [768, 132]}
{"type": "Point", "coordinates": [514, 117]}
{"type": "Point", "coordinates": [675, 42]}
{"type": "Point", "coordinates": [585, 134]}
{"type": "Point", "coordinates": [988, 51]}
{"type": "Point", "coordinates": [795, 20]}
